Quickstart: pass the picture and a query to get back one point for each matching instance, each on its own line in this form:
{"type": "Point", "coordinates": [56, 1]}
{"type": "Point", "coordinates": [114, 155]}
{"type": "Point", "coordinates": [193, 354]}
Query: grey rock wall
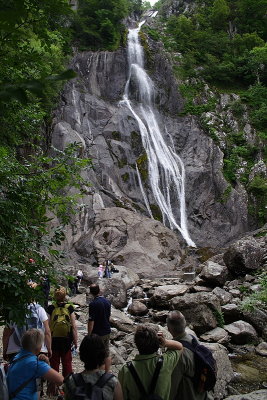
{"type": "Point", "coordinates": [91, 114]}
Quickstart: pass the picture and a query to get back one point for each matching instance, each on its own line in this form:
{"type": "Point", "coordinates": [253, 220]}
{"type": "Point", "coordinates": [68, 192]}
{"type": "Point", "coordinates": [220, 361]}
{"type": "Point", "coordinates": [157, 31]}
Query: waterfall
{"type": "Point", "coordinates": [165, 167]}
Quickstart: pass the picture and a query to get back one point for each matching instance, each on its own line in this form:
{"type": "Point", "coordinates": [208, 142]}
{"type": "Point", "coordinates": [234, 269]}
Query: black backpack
{"type": "Point", "coordinates": [87, 391]}
{"type": "Point", "coordinates": [205, 375]}
{"type": "Point", "coordinates": [144, 395]}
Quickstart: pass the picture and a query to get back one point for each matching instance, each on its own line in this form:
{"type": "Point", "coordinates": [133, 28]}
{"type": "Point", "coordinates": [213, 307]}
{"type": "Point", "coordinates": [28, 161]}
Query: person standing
{"type": "Point", "coordinates": [93, 353]}
{"type": "Point", "coordinates": [62, 322]}
{"type": "Point", "coordinates": [26, 368]}
{"type": "Point", "coordinates": [182, 383]}
{"type": "Point", "coordinates": [148, 341]}
{"type": "Point", "coordinates": [98, 321]}
{"type": "Point", "coordinates": [12, 335]}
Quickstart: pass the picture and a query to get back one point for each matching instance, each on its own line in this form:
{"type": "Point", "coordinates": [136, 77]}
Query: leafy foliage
{"type": "Point", "coordinates": [98, 23]}
{"type": "Point", "coordinates": [35, 42]}
{"type": "Point", "coordinates": [258, 299]}
{"type": "Point", "coordinates": [31, 195]}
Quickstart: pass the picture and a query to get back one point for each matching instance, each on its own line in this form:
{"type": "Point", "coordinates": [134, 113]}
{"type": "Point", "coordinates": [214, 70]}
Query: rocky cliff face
{"type": "Point", "coordinates": [91, 114]}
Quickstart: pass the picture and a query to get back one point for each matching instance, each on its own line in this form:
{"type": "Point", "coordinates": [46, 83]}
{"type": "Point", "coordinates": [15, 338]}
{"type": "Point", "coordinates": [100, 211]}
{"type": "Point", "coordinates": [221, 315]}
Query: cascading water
{"type": "Point", "coordinates": [165, 167]}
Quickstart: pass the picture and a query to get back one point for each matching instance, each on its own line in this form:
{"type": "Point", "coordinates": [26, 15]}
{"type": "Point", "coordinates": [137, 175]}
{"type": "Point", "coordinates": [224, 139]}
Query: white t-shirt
{"type": "Point", "coordinates": [13, 345]}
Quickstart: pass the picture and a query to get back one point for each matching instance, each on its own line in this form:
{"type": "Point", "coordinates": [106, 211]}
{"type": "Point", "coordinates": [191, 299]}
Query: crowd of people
{"type": "Point", "coordinates": [35, 351]}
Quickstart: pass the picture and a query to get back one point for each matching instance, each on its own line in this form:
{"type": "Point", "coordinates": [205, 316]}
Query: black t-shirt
{"type": "Point", "coordinates": [99, 312]}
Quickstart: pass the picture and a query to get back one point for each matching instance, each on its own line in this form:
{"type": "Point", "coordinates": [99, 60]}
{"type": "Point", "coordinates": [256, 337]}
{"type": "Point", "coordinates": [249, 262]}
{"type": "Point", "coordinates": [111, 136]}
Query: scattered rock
{"type": "Point", "coordinates": [214, 273]}
{"type": "Point", "coordinates": [241, 332]}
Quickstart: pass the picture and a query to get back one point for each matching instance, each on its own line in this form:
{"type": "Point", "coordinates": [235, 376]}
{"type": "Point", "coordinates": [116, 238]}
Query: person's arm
{"type": "Point", "coordinates": [47, 337]}
{"type": "Point", "coordinates": [118, 395]}
{"type": "Point", "coordinates": [54, 377]}
{"type": "Point", "coordinates": [90, 327]}
{"type": "Point", "coordinates": [169, 344]}
{"type": "Point", "coordinates": [5, 339]}
{"type": "Point", "coordinates": [74, 328]}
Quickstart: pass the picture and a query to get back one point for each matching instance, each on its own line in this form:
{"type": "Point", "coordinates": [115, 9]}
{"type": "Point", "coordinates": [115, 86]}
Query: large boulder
{"type": "Point", "coordinates": [114, 290]}
{"type": "Point", "coordinates": [137, 308]}
{"type": "Point", "coordinates": [225, 371]}
{"type": "Point", "coordinates": [121, 321]}
{"type": "Point", "coordinates": [143, 245]}
{"type": "Point", "coordinates": [244, 256]}
{"type": "Point", "coordinates": [214, 274]}
{"type": "Point", "coordinates": [163, 294]}
{"type": "Point", "coordinates": [201, 310]}
{"type": "Point", "coordinates": [241, 332]}
{"type": "Point", "coordinates": [257, 318]}
{"type": "Point", "coordinates": [231, 313]}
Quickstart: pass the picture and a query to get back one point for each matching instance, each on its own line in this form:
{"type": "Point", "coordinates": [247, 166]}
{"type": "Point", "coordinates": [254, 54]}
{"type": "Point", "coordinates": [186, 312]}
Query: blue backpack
{"type": "Point", "coordinates": [32, 321]}
{"type": "Point", "coordinates": [205, 375]}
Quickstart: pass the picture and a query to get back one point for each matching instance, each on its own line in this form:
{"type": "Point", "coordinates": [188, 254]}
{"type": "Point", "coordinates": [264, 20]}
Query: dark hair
{"type": "Point", "coordinates": [92, 352]}
{"type": "Point", "coordinates": [94, 289]}
{"type": "Point", "coordinates": [146, 339]}
{"type": "Point", "coordinates": [176, 322]}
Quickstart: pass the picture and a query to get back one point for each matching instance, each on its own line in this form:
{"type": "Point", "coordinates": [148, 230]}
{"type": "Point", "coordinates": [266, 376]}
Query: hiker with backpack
{"type": "Point", "coordinates": [26, 368]}
{"type": "Point", "coordinates": [195, 374]}
{"type": "Point", "coordinates": [36, 318]}
{"type": "Point", "coordinates": [93, 383]}
{"type": "Point", "coordinates": [148, 376]}
{"type": "Point", "coordinates": [62, 322]}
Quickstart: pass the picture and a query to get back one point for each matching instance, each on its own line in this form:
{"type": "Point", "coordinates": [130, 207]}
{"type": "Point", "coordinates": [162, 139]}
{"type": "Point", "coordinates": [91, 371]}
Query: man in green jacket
{"type": "Point", "coordinates": [182, 387]}
{"type": "Point", "coordinates": [148, 341]}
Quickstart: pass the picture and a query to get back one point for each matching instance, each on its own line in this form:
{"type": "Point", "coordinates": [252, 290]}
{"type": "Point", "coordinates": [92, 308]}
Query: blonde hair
{"type": "Point", "coordinates": [32, 340]}
{"type": "Point", "coordinates": [60, 294]}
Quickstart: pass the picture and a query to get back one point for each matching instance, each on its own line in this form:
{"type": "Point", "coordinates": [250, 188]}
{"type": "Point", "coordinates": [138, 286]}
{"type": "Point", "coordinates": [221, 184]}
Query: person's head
{"type": "Point", "coordinates": [32, 340]}
{"type": "Point", "coordinates": [176, 323]}
{"type": "Point", "coordinates": [92, 352]}
{"type": "Point", "coordinates": [94, 289]}
{"type": "Point", "coordinates": [146, 339]}
{"type": "Point", "coordinates": [60, 294]}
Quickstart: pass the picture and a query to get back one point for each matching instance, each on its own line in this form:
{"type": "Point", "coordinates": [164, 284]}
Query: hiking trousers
{"type": "Point", "coordinates": [66, 359]}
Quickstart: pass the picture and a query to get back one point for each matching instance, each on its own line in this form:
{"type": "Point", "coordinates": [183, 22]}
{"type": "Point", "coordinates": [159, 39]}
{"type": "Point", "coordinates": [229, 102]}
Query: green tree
{"type": "Point", "coordinates": [32, 192]}
{"type": "Point", "coordinates": [220, 13]}
{"type": "Point", "coordinates": [99, 23]}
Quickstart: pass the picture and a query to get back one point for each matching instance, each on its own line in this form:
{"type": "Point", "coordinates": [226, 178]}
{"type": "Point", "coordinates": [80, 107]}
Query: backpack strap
{"type": "Point", "coordinates": [136, 378]}
{"type": "Point", "coordinates": [103, 379]}
{"type": "Point", "coordinates": [24, 384]}
{"type": "Point", "coordinates": [154, 378]}
{"type": "Point", "coordinates": [156, 375]}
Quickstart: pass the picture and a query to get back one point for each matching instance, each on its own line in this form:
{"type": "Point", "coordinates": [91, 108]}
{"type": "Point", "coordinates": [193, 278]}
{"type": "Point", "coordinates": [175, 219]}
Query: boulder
{"type": "Point", "coordinates": [199, 309]}
{"type": "Point", "coordinates": [261, 349]}
{"type": "Point", "coordinates": [163, 294]}
{"type": "Point", "coordinates": [231, 313]}
{"type": "Point", "coordinates": [114, 290]}
{"type": "Point", "coordinates": [241, 332]}
{"type": "Point", "coordinates": [137, 308]}
{"type": "Point", "coordinates": [257, 318]}
{"type": "Point", "coordinates": [214, 274]}
{"type": "Point", "coordinates": [79, 299]}
{"type": "Point", "coordinates": [224, 296]}
{"type": "Point", "coordinates": [257, 395]}
{"type": "Point", "coordinates": [121, 321]}
{"type": "Point", "coordinates": [244, 256]}
{"type": "Point", "coordinates": [143, 245]}
{"type": "Point", "coordinates": [137, 293]}
{"type": "Point", "coordinates": [218, 335]}
{"type": "Point", "coordinates": [225, 371]}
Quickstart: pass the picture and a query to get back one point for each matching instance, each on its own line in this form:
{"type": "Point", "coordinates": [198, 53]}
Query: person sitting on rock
{"type": "Point", "coordinates": [93, 354]}
{"type": "Point", "coordinates": [148, 341]}
{"type": "Point", "coordinates": [182, 384]}
{"type": "Point", "coordinates": [26, 368]}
